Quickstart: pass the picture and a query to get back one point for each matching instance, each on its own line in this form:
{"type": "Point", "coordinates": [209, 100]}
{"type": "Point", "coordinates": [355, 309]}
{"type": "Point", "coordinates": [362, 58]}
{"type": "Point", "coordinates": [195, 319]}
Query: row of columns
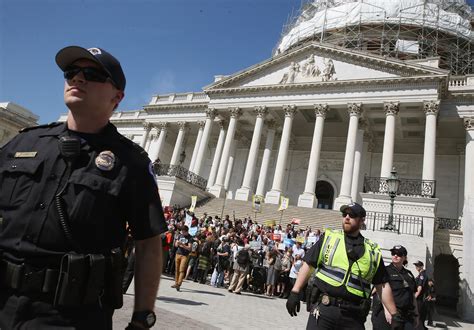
{"type": "Point", "coordinates": [223, 157]}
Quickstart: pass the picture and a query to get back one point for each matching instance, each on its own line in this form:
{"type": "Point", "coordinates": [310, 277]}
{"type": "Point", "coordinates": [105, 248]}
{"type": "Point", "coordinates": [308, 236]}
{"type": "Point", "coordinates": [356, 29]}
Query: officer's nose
{"type": "Point", "coordinates": [78, 78]}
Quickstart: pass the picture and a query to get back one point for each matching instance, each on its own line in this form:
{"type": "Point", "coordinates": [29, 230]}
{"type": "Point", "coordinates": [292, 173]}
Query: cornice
{"type": "Point", "coordinates": [336, 53]}
{"type": "Point", "coordinates": [158, 107]}
{"type": "Point", "coordinates": [397, 81]}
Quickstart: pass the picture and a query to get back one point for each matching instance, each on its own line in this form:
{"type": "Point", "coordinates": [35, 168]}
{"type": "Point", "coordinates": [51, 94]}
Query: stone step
{"type": "Point", "coordinates": [315, 218]}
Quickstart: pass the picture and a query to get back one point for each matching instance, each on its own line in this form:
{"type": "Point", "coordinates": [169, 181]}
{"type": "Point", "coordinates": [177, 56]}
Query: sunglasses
{"type": "Point", "coordinates": [90, 74]}
{"type": "Point", "coordinates": [351, 215]}
{"type": "Point", "coordinates": [398, 254]}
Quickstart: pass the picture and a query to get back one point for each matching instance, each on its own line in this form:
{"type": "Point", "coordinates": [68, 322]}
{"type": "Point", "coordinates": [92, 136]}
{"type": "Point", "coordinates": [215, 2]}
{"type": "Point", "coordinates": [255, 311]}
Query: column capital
{"type": "Point", "coordinates": [354, 109]}
{"type": "Point", "coordinates": [211, 113]}
{"type": "Point", "coordinates": [320, 110]}
{"type": "Point", "coordinates": [270, 123]}
{"type": "Point", "coordinates": [469, 123]}
{"type": "Point", "coordinates": [201, 124]}
{"type": "Point", "coordinates": [235, 112]}
{"type": "Point", "coordinates": [431, 107]}
{"type": "Point", "coordinates": [260, 111]}
{"type": "Point", "coordinates": [289, 110]}
{"type": "Point", "coordinates": [182, 125]}
{"type": "Point", "coordinates": [222, 123]}
{"type": "Point", "coordinates": [391, 108]}
{"type": "Point", "coordinates": [148, 126]}
{"type": "Point", "coordinates": [162, 125]}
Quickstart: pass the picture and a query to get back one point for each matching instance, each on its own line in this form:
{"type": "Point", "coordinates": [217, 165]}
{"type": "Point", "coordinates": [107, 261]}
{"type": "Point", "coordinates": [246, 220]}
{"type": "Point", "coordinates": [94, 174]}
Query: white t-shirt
{"type": "Point", "coordinates": [295, 268]}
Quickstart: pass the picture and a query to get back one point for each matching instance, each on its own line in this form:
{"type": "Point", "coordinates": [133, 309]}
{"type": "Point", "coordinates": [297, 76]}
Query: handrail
{"type": "Point", "coordinates": [407, 187]}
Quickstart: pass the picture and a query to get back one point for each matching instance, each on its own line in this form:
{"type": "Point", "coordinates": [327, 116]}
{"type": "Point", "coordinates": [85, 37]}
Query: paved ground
{"type": "Point", "coordinates": [199, 306]}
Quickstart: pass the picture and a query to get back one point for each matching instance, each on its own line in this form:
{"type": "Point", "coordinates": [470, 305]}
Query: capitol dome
{"type": "Point", "coordinates": [404, 29]}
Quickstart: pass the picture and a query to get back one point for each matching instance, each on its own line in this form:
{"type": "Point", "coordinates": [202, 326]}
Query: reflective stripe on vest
{"type": "Point", "coordinates": [333, 264]}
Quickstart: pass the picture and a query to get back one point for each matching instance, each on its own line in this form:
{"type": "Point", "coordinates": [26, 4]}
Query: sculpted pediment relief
{"type": "Point", "coordinates": [319, 64]}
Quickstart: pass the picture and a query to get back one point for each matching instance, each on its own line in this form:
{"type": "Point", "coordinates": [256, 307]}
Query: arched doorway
{"type": "Point", "coordinates": [324, 194]}
{"type": "Point", "coordinates": [446, 276]}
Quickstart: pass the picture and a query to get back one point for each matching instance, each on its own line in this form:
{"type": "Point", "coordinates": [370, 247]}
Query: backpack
{"type": "Point", "coordinates": [243, 258]}
{"type": "Point", "coordinates": [277, 265]}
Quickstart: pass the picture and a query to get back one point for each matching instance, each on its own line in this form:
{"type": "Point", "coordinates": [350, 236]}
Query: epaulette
{"type": "Point", "coordinates": [135, 146]}
{"type": "Point", "coordinates": [26, 129]}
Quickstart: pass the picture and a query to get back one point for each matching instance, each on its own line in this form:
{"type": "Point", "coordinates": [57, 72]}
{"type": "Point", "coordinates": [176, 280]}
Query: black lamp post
{"type": "Point", "coordinates": [393, 183]}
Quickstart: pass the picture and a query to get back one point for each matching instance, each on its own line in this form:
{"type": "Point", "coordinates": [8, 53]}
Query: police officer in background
{"type": "Point", "coordinates": [342, 266]}
{"type": "Point", "coordinates": [403, 287]}
{"type": "Point", "coordinates": [421, 291]}
{"type": "Point", "coordinates": [67, 192]}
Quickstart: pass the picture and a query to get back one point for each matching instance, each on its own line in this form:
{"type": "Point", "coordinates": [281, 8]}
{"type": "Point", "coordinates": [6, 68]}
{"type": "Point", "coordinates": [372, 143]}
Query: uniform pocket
{"type": "Point", "coordinates": [17, 177]}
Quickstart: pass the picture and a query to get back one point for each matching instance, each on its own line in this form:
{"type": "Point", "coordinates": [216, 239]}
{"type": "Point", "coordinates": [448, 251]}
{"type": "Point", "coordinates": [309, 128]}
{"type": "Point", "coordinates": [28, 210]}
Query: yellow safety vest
{"type": "Point", "coordinates": [333, 264]}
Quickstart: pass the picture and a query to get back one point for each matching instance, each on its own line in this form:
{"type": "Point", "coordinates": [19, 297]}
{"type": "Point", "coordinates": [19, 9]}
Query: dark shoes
{"type": "Point", "coordinates": [237, 292]}
{"type": "Point", "coordinates": [230, 290]}
{"type": "Point", "coordinates": [175, 286]}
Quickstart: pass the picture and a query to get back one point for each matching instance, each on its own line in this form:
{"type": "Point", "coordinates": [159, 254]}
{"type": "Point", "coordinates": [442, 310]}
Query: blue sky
{"type": "Point", "coordinates": [164, 45]}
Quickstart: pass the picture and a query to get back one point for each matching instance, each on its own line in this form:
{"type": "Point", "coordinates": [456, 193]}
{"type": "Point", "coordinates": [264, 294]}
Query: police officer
{"type": "Point", "coordinates": [421, 291]}
{"type": "Point", "coordinates": [346, 265]}
{"type": "Point", "coordinates": [67, 192]}
{"type": "Point", "coordinates": [403, 287]}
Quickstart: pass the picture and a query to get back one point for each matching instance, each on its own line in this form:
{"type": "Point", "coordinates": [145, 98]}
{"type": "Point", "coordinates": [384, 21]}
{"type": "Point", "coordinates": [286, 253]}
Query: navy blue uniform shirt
{"type": "Point", "coordinates": [98, 198]}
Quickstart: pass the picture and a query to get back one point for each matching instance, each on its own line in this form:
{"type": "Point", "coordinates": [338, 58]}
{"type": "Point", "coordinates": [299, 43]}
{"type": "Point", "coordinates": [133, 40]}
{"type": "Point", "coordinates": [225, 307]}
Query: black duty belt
{"type": "Point", "coordinates": [327, 300]}
{"type": "Point", "coordinates": [26, 279]}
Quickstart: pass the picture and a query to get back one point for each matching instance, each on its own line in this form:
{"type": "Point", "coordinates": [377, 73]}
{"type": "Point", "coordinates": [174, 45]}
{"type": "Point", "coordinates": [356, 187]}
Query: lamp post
{"type": "Point", "coordinates": [392, 186]}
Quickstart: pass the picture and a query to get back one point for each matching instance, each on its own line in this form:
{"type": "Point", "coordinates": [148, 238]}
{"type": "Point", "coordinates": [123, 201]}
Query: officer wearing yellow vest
{"type": "Point", "coordinates": [340, 269]}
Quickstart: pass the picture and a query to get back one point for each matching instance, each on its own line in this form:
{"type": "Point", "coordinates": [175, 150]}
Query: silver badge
{"type": "Point", "coordinates": [105, 161]}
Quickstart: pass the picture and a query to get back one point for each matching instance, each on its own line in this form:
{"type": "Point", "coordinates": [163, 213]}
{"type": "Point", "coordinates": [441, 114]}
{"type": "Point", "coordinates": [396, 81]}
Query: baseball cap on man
{"type": "Point", "coordinates": [419, 263]}
{"type": "Point", "coordinates": [355, 208]}
{"type": "Point", "coordinates": [400, 249]}
{"type": "Point", "coordinates": [68, 55]}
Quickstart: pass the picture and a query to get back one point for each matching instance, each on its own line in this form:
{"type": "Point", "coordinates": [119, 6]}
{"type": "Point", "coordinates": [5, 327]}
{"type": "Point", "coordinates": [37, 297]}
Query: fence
{"type": "Point", "coordinates": [402, 224]}
{"type": "Point", "coordinates": [182, 173]}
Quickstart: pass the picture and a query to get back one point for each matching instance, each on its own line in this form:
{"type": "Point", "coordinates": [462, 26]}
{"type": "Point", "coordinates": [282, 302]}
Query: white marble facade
{"type": "Point", "coordinates": [13, 118]}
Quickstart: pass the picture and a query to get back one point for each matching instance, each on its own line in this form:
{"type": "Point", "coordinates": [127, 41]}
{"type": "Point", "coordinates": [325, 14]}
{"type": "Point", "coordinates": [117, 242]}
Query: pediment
{"type": "Point", "coordinates": [317, 64]}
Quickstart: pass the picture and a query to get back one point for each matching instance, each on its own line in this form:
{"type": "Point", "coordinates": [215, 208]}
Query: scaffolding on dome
{"type": "Point", "coordinates": [403, 29]}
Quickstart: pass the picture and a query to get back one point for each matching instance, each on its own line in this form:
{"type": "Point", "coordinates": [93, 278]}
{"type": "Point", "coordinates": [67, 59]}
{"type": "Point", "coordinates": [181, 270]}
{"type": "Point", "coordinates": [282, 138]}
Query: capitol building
{"type": "Point", "coordinates": [354, 93]}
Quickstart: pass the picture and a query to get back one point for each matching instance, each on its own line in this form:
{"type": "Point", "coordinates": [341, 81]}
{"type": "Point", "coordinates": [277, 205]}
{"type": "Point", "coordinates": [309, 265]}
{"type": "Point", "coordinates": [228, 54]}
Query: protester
{"type": "Point", "coordinates": [183, 245]}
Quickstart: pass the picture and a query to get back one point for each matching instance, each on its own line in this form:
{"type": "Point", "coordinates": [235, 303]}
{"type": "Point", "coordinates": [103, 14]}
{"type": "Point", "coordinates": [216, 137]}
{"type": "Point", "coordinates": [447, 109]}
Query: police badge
{"type": "Point", "coordinates": [105, 161]}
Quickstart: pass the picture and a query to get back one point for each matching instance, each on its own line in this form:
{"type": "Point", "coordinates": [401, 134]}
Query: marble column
{"type": "Point", "coordinates": [469, 159]}
{"type": "Point", "coordinates": [431, 109]}
{"type": "Point", "coordinates": [230, 164]}
{"type": "Point", "coordinates": [210, 115]}
{"type": "Point", "coordinates": [391, 111]}
{"type": "Point", "coordinates": [273, 196]}
{"type": "Point", "coordinates": [267, 153]}
{"type": "Point", "coordinates": [179, 143]}
{"type": "Point", "coordinates": [197, 145]}
{"type": "Point", "coordinates": [218, 189]}
{"type": "Point", "coordinates": [217, 155]}
{"type": "Point", "coordinates": [147, 127]}
{"type": "Point", "coordinates": [358, 163]}
{"type": "Point", "coordinates": [355, 110]}
{"type": "Point", "coordinates": [163, 128]}
{"type": "Point", "coordinates": [308, 197]}
{"type": "Point", "coordinates": [246, 191]}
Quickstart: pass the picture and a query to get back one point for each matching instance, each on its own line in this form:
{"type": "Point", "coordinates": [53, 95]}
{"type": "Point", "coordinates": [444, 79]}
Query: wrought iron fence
{"type": "Point", "coordinates": [402, 224]}
{"type": "Point", "coordinates": [447, 223]}
{"type": "Point", "coordinates": [407, 187]}
{"type": "Point", "coordinates": [182, 173]}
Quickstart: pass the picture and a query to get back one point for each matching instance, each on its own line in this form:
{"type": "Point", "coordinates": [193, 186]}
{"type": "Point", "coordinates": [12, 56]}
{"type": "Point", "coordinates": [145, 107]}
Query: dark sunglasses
{"type": "Point", "coordinates": [397, 254]}
{"type": "Point", "coordinates": [90, 74]}
{"type": "Point", "coordinates": [351, 215]}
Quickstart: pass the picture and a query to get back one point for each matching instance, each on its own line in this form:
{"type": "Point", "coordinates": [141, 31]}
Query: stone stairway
{"type": "Point", "coordinates": [315, 218]}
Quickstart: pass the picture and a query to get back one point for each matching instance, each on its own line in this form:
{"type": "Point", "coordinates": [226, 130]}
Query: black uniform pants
{"type": "Point", "coordinates": [333, 318]}
{"type": "Point", "coordinates": [380, 322]}
{"type": "Point", "coordinates": [23, 312]}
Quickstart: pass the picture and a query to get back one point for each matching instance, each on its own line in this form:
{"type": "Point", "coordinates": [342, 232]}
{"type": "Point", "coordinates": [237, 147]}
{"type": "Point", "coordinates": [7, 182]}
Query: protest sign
{"type": "Point", "coordinates": [188, 221]}
{"type": "Point", "coordinates": [193, 203]}
{"type": "Point", "coordinates": [193, 231]}
{"type": "Point", "coordinates": [284, 202]}
{"type": "Point", "coordinates": [255, 245]}
{"type": "Point", "coordinates": [295, 221]}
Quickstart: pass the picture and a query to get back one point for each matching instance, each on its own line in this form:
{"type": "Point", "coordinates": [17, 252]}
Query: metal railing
{"type": "Point", "coordinates": [182, 173]}
{"type": "Point", "coordinates": [407, 187]}
{"type": "Point", "coordinates": [447, 223]}
{"type": "Point", "coordinates": [403, 224]}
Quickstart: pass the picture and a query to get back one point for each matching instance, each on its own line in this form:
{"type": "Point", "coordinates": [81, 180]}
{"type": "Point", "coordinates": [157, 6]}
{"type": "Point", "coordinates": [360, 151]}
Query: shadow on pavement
{"type": "Point", "coordinates": [180, 301]}
{"type": "Point", "coordinates": [200, 291]}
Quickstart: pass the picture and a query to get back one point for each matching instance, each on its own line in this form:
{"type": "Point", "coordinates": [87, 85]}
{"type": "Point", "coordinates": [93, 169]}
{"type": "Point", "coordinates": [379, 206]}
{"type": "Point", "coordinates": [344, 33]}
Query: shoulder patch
{"type": "Point", "coordinates": [53, 124]}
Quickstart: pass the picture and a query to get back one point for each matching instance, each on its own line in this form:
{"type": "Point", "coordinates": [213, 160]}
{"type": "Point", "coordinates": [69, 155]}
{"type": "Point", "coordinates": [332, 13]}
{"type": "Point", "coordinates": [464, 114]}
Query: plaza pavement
{"type": "Point", "coordinates": [199, 306]}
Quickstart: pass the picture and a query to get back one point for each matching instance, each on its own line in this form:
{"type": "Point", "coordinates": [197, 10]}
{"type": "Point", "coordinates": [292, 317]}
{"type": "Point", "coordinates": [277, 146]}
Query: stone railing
{"type": "Point", "coordinates": [447, 223]}
{"type": "Point", "coordinates": [178, 98]}
{"type": "Point", "coordinates": [407, 187]}
{"type": "Point", "coordinates": [402, 223]}
{"type": "Point", "coordinates": [181, 173]}
{"type": "Point", "coordinates": [461, 83]}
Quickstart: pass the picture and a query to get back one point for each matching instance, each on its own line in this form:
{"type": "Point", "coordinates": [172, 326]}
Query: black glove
{"type": "Point", "coordinates": [397, 322]}
{"type": "Point", "coordinates": [293, 303]}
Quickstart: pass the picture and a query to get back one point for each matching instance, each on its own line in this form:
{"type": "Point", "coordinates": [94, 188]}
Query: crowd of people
{"type": "Point", "coordinates": [239, 254]}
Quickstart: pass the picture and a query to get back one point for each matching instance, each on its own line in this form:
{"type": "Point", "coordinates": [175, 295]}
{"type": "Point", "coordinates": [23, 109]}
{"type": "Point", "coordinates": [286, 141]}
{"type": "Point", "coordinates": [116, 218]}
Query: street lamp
{"type": "Point", "coordinates": [392, 186]}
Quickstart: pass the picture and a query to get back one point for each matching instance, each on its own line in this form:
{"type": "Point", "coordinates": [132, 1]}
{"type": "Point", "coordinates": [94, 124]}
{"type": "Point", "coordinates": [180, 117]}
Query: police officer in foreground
{"type": "Point", "coordinates": [67, 192]}
{"type": "Point", "coordinates": [340, 268]}
{"type": "Point", "coordinates": [403, 287]}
